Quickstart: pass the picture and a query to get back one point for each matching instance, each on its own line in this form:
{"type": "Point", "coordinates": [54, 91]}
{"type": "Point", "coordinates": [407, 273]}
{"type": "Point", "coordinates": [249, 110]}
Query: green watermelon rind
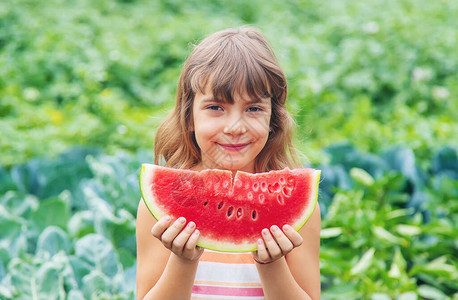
{"type": "Point", "coordinates": [311, 209]}
{"type": "Point", "coordinates": [146, 176]}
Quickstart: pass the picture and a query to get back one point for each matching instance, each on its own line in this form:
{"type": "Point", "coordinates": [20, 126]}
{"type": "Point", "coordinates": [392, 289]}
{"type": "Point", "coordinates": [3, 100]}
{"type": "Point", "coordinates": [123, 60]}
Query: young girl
{"type": "Point", "coordinates": [230, 114]}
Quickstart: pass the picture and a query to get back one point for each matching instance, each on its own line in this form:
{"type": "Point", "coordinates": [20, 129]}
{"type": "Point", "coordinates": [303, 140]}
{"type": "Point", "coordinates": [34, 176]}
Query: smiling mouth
{"type": "Point", "coordinates": [233, 147]}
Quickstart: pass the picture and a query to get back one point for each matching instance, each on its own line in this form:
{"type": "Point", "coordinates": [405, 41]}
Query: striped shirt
{"type": "Point", "coordinates": [226, 276]}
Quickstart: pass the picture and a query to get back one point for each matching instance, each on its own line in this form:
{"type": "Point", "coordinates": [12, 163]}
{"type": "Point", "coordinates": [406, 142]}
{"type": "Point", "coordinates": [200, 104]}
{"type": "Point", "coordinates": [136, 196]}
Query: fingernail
{"type": "Point", "coordinates": [196, 232]}
{"type": "Point", "coordinates": [274, 228]}
{"type": "Point", "coordinates": [182, 220]}
{"type": "Point", "coordinates": [260, 242]}
{"type": "Point", "coordinates": [191, 225]}
{"type": "Point", "coordinates": [265, 231]}
{"type": "Point", "coordinates": [167, 218]}
{"type": "Point", "coordinates": [286, 228]}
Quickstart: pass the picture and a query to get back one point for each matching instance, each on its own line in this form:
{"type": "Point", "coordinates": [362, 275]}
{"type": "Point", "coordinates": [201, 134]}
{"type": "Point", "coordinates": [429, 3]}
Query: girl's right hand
{"type": "Point", "coordinates": [178, 238]}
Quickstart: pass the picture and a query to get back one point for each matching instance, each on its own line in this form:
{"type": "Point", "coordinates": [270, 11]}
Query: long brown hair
{"type": "Point", "coordinates": [233, 61]}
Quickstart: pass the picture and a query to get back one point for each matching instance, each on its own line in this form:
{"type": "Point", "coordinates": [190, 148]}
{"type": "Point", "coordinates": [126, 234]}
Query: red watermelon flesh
{"type": "Point", "coordinates": [230, 213]}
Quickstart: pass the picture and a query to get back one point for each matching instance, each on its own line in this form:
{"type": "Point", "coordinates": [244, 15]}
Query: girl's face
{"type": "Point", "coordinates": [230, 136]}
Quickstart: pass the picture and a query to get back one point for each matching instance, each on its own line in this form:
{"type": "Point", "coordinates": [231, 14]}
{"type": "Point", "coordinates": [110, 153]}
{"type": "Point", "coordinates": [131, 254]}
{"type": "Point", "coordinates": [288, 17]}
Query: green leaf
{"type": "Point", "coordinates": [22, 274]}
{"type": "Point", "coordinates": [438, 268]}
{"type": "Point", "coordinates": [35, 278]}
{"type": "Point", "coordinates": [130, 279]}
{"type": "Point", "coordinates": [52, 211]}
{"type": "Point", "coordinates": [12, 234]}
{"type": "Point", "coordinates": [96, 251]}
{"type": "Point", "coordinates": [403, 160]}
{"type": "Point", "coordinates": [398, 213]}
{"type": "Point", "coordinates": [18, 204]}
{"type": "Point", "coordinates": [126, 258]}
{"type": "Point", "coordinates": [398, 267]}
{"type": "Point", "coordinates": [51, 241]}
{"type": "Point", "coordinates": [80, 268]}
{"type": "Point", "coordinates": [81, 223]}
{"type": "Point", "coordinates": [330, 232]}
{"type": "Point", "coordinates": [75, 295]}
{"type": "Point", "coordinates": [430, 292]}
{"type": "Point", "coordinates": [5, 293]}
{"type": "Point", "coordinates": [48, 178]}
{"type": "Point", "coordinates": [380, 296]}
{"type": "Point", "coordinates": [120, 229]}
{"type": "Point", "coordinates": [408, 230]}
{"type": "Point", "coordinates": [364, 263]}
{"type": "Point", "coordinates": [361, 176]}
{"type": "Point", "coordinates": [446, 159]}
{"type": "Point", "coordinates": [388, 237]}
{"type": "Point", "coordinates": [408, 296]}
{"type": "Point", "coordinates": [48, 281]}
{"type": "Point", "coordinates": [344, 290]}
{"type": "Point", "coordinates": [6, 180]}
{"type": "Point", "coordinates": [94, 283]}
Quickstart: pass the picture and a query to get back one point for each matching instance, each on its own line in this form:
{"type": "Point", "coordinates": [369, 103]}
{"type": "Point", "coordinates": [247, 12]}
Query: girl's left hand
{"type": "Point", "coordinates": [276, 243]}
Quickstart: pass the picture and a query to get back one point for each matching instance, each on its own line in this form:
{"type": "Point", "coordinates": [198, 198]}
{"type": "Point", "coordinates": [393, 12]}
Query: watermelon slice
{"type": "Point", "coordinates": [230, 213]}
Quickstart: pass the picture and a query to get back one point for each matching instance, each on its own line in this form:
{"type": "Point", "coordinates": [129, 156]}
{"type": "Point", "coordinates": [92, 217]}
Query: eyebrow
{"type": "Point", "coordinates": [253, 101]}
{"type": "Point", "coordinates": [213, 99]}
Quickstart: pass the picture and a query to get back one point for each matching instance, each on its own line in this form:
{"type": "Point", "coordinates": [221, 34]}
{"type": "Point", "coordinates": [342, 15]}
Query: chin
{"type": "Point", "coordinates": [236, 166]}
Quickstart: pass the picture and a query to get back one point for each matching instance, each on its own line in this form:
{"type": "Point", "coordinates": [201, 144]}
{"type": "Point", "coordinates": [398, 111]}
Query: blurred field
{"type": "Point", "coordinates": [373, 88]}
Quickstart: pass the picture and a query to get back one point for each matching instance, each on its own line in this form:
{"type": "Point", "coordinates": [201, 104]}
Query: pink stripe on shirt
{"type": "Point", "coordinates": [226, 291]}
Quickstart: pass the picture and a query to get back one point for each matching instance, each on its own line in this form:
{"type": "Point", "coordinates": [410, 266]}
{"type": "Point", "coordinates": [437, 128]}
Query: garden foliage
{"type": "Point", "coordinates": [389, 227]}
{"type": "Point", "coordinates": [104, 73]}
{"type": "Point", "coordinates": [372, 86]}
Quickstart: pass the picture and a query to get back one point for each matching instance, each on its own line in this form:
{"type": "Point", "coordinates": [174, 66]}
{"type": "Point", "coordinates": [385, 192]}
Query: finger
{"type": "Point", "coordinates": [282, 240]}
{"type": "Point", "coordinates": [181, 239]}
{"type": "Point", "coordinates": [293, 235]}
{"type": "Point", "coordinates": [263, 255]}
{"type": "Point", "coordinates": [171, 233]}
{"type": "Point", "coordinates": [191, 245]}
{"type": "Point", "coordinates": [160, 226]}
{"type": "Point", "coordinates": [271, 244]}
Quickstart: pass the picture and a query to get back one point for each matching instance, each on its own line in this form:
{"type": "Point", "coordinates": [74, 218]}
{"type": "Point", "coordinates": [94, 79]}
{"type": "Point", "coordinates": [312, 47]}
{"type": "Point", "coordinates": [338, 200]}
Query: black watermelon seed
{"type": "Point", "coordinates": [230, 211]}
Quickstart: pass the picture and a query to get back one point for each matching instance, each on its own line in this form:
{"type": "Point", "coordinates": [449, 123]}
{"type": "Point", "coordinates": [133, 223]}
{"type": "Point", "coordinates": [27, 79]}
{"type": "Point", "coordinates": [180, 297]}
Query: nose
{"type": "Point", "coordinates": [235, 125]}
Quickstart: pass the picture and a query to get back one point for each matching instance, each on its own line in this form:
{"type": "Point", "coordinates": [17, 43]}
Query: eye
{"type": "Point", "coordinates": [254, 109]}
{"type": "Point", "coordinates": [215, 107]}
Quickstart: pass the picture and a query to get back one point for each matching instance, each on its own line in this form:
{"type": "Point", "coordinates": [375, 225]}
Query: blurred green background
{"type": "Point", "coordinates": [372, 86]}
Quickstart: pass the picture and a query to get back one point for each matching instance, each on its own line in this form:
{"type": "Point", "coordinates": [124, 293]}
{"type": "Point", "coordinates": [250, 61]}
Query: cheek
{"type": "Point", "coordinates": [204, 128]}
{"type": "Point", "coordinates": [204, 131]}
{"type": "Point", "coordinates": [259, 128]}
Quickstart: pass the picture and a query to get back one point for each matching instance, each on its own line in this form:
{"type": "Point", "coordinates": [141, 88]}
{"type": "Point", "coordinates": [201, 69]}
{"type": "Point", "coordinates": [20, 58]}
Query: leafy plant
{"type": "Point", "coordinates": [70, 236]}
{"type": "Point", "coordinates": [76, 240]}
{"type": "Point", "coordinates": [385, 231]}
{"type": "Point", "coordinates": [372, 87]}
{"type": "Point", "coordinates": [104, 73]}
